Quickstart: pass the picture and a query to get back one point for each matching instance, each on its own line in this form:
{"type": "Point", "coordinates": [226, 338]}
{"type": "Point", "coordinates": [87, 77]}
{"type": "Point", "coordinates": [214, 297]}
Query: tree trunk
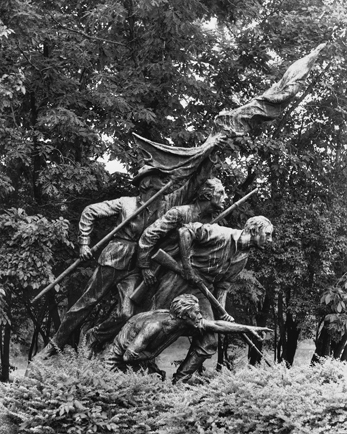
{"type": "Point", "coordinates": [275, 328]}
{"type": "Point", "coordinates": [220, 356]}
{"type": "Point", "coordinates": [53, 310]}
{"type": "Point", "coordinates": [289, 334]}
{"type": "Point", "coordinates": [282, 344]}
{"type": "Point", "coordinates": [344, 355]}
{"type": "Point", "coordinates": [253, 356]}
{"type": "Point", "coordinates": [323, 343]}
{"type": "Point", "coordinates": [37, 319]}
{"type": "Point", "coordinates": [34, 344]}
{"type": "Point", "coordinates": [5, 353]}
{"type": "Point", "coordinates": [5, 342]}
{"type": "Point", "coordinates": [339, 347]}
{"type": "Point", "coordinates": [293, 333]}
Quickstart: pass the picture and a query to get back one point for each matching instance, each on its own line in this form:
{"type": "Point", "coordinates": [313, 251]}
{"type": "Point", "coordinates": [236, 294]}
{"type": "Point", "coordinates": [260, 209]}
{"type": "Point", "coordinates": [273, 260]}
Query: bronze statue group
{"type": "Point", "coordinates": [172, 304]}
{"type": "Point", "coordinates": [156, 304]}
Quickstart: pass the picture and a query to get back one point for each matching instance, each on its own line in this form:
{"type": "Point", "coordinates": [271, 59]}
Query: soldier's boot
{"type": "Point", "coordinates": [192, 363]}
{"type": "Point", "coordinates": [153, 368]}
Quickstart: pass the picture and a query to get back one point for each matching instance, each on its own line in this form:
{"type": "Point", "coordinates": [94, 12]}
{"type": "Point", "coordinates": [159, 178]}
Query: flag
{"type": "Point", "coordinates": [178, 161]}
{"type": "Point", "coordinates": [183, 162]}
{"type": "Point", "coordinates": [270, 104]}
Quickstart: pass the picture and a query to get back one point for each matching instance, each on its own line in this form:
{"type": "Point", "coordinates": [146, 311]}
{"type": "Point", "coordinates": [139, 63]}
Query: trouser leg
{"type": "Point", "coordinates": [98, 286]}
{"type": "Point", "coordinates": [190, 364]}
{"type": "Point", "coordinates": [170, 286]}
{"type": "Point", "coordinates": [108, 329]}
{"type": "Point", "coordinates": [203, 346]}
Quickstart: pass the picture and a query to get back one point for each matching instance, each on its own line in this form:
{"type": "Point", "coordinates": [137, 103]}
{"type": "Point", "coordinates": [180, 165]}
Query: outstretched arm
{"type": "Point", "coordinates": [220, 326]}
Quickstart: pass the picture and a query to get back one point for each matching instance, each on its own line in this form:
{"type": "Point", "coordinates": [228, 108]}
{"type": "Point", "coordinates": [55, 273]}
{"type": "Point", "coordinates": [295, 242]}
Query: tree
{"type": "Point", "coordinates": [299, 160]}
{"type": "Point", "coordinates": [331, 336]}
{"type": "Point", "coordinates": [77, 78]}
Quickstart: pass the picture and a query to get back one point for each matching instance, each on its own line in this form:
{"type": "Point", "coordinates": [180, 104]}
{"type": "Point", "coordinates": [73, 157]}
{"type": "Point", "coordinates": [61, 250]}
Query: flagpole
{"type": "Point", "coordinates": [103, 241]}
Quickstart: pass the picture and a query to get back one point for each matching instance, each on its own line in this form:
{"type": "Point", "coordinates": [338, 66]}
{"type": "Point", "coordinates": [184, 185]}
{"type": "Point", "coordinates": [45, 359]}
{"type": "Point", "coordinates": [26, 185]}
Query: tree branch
{"type": "Point", "coordinates": [79, 32]}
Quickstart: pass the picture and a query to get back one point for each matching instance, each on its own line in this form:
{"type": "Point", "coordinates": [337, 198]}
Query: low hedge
{"type": "Point", "coordinates": [77, 395]}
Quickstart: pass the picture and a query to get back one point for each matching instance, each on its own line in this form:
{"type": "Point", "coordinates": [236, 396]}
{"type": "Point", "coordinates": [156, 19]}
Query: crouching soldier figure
{"type": "Point", "coordinates": [147, 334]}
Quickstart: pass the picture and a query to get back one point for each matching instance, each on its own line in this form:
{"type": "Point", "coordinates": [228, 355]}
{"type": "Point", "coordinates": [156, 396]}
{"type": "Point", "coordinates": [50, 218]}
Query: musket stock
{"type": "Point", "coordinates": [140, 291]}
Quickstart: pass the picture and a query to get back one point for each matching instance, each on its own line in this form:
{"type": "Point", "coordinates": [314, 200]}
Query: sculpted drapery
{"type": "Point", "coordinates": [231, 123]}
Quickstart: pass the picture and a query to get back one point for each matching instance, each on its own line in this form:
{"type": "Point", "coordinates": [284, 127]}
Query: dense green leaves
{"type": "Point", "coordinates": [27, 246]}
{"type": "Point", "coordinates": [77, 395]}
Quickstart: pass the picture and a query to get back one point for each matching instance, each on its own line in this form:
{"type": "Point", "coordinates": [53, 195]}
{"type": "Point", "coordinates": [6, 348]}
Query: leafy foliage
{"type": "Point", "coordinates": [78, 395]}
{"type": "Point", "coordinates": [27, 244]}
{"type": "Point", "coordinates": [265, 400]}
{"type": "Point", "coordinates": [334, 309]}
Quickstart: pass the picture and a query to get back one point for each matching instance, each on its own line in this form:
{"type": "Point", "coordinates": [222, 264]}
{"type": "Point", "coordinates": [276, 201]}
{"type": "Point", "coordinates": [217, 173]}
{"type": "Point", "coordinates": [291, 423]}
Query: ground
{"type": "Point", "coordinates": [177, 352]}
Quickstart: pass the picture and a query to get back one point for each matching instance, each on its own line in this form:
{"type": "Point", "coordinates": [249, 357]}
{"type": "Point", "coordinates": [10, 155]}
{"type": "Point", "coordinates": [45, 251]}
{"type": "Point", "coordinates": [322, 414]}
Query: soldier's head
{"type": "Point", "coordinates": [213, 192]}
{"type": "Point", "coordinates": [150, 178]}
{"type": "Point", "coordinates": [259, 231]}
{"type": "Point", "coordinates": [186, 307]}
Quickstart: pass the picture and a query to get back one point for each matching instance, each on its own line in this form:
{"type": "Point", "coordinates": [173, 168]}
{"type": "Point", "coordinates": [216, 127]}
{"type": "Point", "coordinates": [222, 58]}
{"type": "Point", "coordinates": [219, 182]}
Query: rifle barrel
{"type": "Point", "coordinates": [140, 291]}
{"type": "Point", "coordinates": [166, 260]}
{"type": "Point", "coordinates": [233, 206]}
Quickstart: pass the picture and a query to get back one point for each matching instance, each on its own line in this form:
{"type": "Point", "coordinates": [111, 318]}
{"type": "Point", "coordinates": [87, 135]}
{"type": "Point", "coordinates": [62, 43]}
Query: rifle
{"type": "Point", "coordinates": [140, 291]}
{"type": "Point", "coordinates": [167, 261]}
{"type": "Point", "coordinates": [103, 241]}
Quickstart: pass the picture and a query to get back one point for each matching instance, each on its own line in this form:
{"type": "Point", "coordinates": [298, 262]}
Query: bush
{"type": "Point", "coordinates": [77, 395]}
{"type": "Point", "coordinates": [266, 400]}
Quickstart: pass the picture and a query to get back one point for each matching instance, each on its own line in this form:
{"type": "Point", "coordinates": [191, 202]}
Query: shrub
{"type": "Point", "coordinates": [77, 395]}
{"type": "Point", "coordinates": [266, 400]}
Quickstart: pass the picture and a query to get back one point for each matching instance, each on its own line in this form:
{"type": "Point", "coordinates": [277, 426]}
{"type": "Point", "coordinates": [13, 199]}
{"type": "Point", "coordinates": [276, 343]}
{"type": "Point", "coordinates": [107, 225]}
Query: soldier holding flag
{"type": "Point", "coordinates": [117, 262]}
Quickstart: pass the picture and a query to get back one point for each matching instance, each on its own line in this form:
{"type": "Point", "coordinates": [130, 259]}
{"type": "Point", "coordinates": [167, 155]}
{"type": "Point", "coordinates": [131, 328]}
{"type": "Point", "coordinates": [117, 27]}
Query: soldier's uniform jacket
{"type": "Point", "coordinates": [121, 251]}
{"type": "Point", "coordinates": [216, 253]}
{"type": "Point", "coordinates": [166, 228]}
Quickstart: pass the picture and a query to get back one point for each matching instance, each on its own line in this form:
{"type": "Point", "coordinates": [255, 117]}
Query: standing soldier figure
{"type": "Point", "coordinates": [209, 200]}
{"type": "Point", "coordinates": [117, 262]}
{"type": "Point", "coordinates": [214, 255]}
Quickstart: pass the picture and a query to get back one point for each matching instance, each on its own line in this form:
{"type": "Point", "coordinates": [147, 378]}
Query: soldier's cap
{"type": "Point", "coordinates": [144, 171]}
